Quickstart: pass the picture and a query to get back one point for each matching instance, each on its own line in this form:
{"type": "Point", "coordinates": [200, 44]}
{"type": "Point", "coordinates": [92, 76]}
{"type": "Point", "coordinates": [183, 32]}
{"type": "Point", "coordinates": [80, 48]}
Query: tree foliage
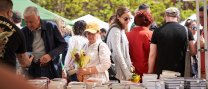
{"type": "Point", "coordinates": [103, 9]}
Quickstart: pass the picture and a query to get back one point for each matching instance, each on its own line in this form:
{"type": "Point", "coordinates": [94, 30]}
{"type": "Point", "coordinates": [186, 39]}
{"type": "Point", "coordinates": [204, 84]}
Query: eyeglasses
{"type": "Point", "coordinates": [194, 27]}
{"type": "Point", "coordinates": [126, 18]}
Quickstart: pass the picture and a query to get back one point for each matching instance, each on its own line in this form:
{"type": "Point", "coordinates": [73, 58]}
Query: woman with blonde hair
{"type": "Point", "coordinates": [64, 29]}
{"type": "Point", "coordinates": [66, 33]}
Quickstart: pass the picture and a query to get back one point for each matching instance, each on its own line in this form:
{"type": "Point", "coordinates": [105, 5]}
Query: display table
{"type": "Point", "coordinates": [148, 83]}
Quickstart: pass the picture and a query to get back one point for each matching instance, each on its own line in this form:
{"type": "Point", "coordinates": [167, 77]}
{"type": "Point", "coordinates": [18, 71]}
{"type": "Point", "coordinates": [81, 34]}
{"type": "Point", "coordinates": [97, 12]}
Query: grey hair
{"type": "Point", "coordinates": [30, 11]}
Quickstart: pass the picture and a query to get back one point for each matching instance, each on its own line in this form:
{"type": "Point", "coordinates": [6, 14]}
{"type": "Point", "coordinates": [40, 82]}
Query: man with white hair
{"type": "Point", "coordinates": [169, 44]}
{"type": "Point", "coordinates": [45, 42]}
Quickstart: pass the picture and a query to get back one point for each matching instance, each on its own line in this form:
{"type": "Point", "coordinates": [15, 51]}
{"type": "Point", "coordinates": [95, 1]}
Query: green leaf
{"type": "Point", "coordinates": [103, 9]}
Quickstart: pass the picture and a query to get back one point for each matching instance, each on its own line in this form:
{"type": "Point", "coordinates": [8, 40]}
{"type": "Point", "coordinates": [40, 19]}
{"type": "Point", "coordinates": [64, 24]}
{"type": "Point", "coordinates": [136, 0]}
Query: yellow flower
{"type": "Point", "coordinates": [135, 78]}
{"type": "Point", "coordinates": [73, 52]}
{"type": "Point", "coordinates": [81, 58]}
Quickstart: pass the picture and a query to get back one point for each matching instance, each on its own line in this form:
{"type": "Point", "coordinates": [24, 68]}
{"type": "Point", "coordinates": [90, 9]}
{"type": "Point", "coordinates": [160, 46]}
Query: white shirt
{"type": "Point", "coordinates": [101, 60]}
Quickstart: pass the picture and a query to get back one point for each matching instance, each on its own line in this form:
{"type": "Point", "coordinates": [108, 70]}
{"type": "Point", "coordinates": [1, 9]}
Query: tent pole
{"type": "Point", "coordinates": [198, 39]}
{"type": "Point", "coordinates": [205, 36]}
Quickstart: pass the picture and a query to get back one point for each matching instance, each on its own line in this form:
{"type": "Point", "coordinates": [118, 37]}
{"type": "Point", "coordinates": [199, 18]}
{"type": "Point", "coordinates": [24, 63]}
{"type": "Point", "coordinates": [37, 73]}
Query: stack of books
{"type": "Point", "coordinates": [174, 83]}
{"type": "Point", "coordinates": [76, 85]}
{"type": "Point", "coordinates": [40, 83]}
{"type": "Point", "coordinates": [192, 83]}
{"type": "Point", "coordinates": [150, 81]}
{"type": "Point", "coordinates": [57, 83]}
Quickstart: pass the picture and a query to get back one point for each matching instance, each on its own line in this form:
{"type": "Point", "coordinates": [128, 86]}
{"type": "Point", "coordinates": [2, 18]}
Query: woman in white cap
{"type": "Point", "coordinates": [97, 67]}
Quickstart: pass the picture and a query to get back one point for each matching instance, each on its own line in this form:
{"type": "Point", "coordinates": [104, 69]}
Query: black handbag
{"type": "Point", "coordinates": [112, 69]}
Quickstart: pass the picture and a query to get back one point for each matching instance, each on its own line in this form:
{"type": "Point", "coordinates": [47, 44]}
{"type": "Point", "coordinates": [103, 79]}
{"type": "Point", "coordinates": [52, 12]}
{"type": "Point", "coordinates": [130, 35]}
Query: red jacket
{"type": "Point", "coordinates": [139, 46]}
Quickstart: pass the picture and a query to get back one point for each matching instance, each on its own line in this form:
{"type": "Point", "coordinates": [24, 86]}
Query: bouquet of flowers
{"type": "Point", "coordinates": [135, 78]}
{"type": "Point", "coordinates": [80, 57]}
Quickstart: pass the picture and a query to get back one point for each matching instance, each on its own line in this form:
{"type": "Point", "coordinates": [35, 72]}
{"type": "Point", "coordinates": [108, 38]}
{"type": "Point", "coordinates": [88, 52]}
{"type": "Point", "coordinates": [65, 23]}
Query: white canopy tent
{"type": "Point", "coordinates": [90, 18]}
{"type": "Point", "coordinates": [192, 17]}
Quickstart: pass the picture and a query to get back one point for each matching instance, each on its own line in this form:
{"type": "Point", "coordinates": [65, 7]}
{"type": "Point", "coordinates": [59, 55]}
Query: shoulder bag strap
{"type": "Point", "coordinates": [114, 25]}
{"type": "Point", "coordinates": [99, 51]}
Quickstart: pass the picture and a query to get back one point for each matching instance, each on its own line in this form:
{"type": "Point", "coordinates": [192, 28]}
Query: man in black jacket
{"type": "Point", "coordinates": [45, 42]}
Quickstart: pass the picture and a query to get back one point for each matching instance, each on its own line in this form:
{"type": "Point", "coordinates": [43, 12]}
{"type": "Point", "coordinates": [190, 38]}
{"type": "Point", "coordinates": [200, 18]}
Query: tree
{"type": "Point", "coordinates": [103, 9]}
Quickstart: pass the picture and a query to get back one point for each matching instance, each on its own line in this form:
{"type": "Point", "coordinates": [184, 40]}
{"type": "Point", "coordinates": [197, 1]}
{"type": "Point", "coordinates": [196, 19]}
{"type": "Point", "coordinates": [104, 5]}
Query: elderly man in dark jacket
{"type": "Point", "coordinates": [45, 43]}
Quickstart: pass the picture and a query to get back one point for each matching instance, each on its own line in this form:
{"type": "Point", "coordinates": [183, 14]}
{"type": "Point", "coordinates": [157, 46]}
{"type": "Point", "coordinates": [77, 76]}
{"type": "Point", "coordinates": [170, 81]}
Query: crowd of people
{"type": "Point", "coordinates": [46, 48]}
